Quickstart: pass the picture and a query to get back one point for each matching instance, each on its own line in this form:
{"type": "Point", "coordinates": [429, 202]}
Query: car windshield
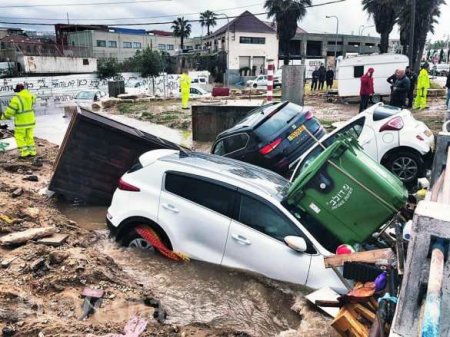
{"type": "Point", "coordinates": [277, 121]}
{"type": "Point", "coordinates": [86, 95]}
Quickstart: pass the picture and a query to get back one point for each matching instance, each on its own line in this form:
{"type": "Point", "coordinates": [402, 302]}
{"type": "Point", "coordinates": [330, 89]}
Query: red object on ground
{"type": "Point", "coordinates": [220, 91]}
{"type": "Point", "coordinates": [344, 250]}
{"type": "Point", "coordinates": [152, 238]}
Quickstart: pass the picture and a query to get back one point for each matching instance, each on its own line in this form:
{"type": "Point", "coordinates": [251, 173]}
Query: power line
{"type": "Point", "coordinates": [133, 18]}
{"type": "Point", "coordinates": [84, 4]}
{"type": "Point", "coordinates": [164, 22]}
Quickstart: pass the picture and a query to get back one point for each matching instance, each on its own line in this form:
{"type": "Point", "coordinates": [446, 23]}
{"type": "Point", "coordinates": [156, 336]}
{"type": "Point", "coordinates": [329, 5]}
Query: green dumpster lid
{"type": "Point", "coordinates": [336, 149]}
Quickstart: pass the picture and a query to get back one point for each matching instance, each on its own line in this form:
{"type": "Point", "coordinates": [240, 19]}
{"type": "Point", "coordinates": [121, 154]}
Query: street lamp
{"type": "Point", "coordinates": [228, 47]}
{"type": "Point", "coordinates": [337, 32]}
{"type": "Point", "coordinates": [362, 27]}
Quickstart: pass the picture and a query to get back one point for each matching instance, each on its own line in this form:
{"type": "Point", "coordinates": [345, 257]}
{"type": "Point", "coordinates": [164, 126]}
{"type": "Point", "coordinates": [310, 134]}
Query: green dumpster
{"type": "Point", "coordinates": [347, 192]}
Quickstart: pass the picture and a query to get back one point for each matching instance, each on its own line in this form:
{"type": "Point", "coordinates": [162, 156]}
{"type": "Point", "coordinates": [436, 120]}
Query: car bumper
{"type": "Point", "coordinates": [428, 159]}
{"type": "Point", "coordinates": [113, 230]}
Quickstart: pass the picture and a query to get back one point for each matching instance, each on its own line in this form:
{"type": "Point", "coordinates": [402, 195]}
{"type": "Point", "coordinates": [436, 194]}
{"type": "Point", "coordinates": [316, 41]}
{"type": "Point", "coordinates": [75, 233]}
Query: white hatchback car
{"type": "Point", "coordinates": [218, 210]}
{"type": "Point", "coordinates": [390, 136]}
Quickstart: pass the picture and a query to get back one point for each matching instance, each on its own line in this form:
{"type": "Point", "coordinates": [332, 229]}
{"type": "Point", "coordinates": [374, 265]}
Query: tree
{"type": "Point", "coordinates": [182, 29]}
{"type": "Point", "coordinates": [441, 56]}
{"type": "Point", "coordinates": [286, 14]}
{"type": "Point", "coordinates": [107, 67]}
{"type": "Point", "coordinates": [148, 62]}
{"type": "Point", "coordinates": [384, 14]}
{"type": "Point", "coordinates": [208, 19]}
{"type": "Point", "coordinates": [427, 13]}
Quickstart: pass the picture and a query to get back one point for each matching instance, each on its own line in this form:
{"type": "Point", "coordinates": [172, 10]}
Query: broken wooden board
{"type": "Point", "coordinates": [55, 240]}
{"type": "Point", "coordinates": [371, 256]}
{"type": "Point", "coordinates": [8, 144]}
{"type": "Point", "coordinates": [325, 294]}
{"type": "Point", "coordinates": [18, 238]}
{"type": "Point", "coordinates": [95, 153]}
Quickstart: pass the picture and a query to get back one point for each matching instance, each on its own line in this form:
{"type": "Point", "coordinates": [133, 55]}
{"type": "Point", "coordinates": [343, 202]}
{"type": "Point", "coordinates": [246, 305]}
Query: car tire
{"type": "Point", "coordinates": [133, 240]}
{"type": "Point", "coordinates": [408, 166]}
{"type": "Point", "coordinates": [255, 85]}
{"type": "Point", "coordinates": [377, 99]}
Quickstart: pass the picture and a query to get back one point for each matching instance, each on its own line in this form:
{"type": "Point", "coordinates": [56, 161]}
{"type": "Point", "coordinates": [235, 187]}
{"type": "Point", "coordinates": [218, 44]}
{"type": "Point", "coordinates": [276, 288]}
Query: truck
{"type": "Point", "coordinates": [350, 70]}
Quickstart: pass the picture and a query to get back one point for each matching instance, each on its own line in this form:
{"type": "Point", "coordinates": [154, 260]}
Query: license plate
{"type": "Point", "coordinates": [428, 133]}
{"type": "Point", "coordinates": [296, 133]}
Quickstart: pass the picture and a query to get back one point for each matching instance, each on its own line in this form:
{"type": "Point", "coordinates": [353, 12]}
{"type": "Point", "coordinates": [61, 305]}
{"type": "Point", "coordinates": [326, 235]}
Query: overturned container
{"type": "Point", "coordinates": [346, 193]}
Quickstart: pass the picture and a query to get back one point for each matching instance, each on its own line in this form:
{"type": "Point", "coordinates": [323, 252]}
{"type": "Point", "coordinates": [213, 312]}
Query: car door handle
{"type": "Point", "coordinates": [170, 208]}
{"type": "Point", "coordinates": [240, 239]}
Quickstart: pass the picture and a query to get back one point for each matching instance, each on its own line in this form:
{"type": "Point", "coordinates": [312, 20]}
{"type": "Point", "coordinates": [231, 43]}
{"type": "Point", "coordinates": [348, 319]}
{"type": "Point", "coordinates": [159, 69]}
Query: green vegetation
{"type": "Point", "coordinates": [107, 68]}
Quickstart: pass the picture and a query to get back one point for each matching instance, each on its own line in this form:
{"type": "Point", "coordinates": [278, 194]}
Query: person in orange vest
{"type": "Point", "coordinates": [21, 109]}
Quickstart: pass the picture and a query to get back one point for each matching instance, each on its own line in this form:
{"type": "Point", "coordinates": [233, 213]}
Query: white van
{"type": "Point", "coordinates": [350, 70]}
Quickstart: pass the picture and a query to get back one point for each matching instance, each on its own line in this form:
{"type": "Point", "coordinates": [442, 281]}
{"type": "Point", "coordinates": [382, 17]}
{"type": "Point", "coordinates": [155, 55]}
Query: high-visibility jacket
{"type": "Point", "coordinates": [21, 108]}
{"type": "Point", "coordinates": [423, 81]}
{"type": "Point", "coordinates": [185, 82]}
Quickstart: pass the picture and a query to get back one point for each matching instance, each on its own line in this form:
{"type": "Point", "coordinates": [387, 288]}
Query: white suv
{"type": "Point", "coordinates": [390, 136]}
{"type": "Point", "coordinates": [218, 210]}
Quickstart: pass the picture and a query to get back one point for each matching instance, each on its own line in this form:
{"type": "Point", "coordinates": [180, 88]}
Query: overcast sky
{"type": "Point", "coordinates": [351, 16]}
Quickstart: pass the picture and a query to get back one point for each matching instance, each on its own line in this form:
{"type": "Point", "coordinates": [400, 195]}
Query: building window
{"type": "Point", "coordinates": [101, 43]}
{"type": "Point", "coordinates": [127, 45]}
{"type": "Point", "coordinates": [112, 44]}
{"type": "Point", "coordinates": [137, 45]}
{"type": "Point", "coordinates": [161, 46]}
{"type": "Point", "coordinates": [354, 44]}
{"type": "Point", "coordinates": [170, 47]}
{"type": "Point", "coordinates": [358, 71]}
{"type": "Point", "coordinates": [252, 40]}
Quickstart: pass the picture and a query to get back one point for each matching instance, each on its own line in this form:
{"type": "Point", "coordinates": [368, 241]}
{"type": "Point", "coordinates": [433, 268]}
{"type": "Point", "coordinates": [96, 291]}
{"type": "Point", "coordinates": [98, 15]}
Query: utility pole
{"type": "Point", "coordinates": [336, 40]}
{"type": "Point", "coordinates": [68, 21]}
{"type": "Point", "coordinates": [411, 34]}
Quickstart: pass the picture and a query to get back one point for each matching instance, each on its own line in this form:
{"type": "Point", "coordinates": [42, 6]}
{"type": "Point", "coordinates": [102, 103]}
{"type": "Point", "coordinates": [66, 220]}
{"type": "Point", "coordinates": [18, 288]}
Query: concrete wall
{"type": "Point", "coordinates": [57, 65]}
{"type": "Point", "coordinates": [210, 120]}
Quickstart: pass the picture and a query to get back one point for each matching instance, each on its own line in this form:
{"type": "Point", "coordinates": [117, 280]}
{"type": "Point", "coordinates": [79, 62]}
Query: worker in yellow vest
{"type": "Point", "coordinates": [185, 87]}
{"type": "Point", "coordinates": [423, 84]}
{"type": "Point", "coordinates": [21, 109]}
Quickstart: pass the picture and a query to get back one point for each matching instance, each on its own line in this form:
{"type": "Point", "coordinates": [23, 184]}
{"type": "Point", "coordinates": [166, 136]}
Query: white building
{"type": "Point", "coordinates": [249, 43]}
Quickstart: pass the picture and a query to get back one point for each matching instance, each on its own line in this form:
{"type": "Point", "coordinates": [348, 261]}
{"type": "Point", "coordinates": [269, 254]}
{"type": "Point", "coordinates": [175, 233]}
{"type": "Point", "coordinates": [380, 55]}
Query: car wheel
{"type": "Point", "coordinates": [377, 99]}
{"type": "Point", "coordinates": [406, 165]}
{"type": "Point", "coordinates": [255, 85]}
{"type": "Point", "coordinates": [133, 240]}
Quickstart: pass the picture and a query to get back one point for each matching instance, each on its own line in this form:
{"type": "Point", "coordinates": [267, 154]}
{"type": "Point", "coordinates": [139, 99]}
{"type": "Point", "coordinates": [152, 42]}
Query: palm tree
{"type": "Point", "coordinates": [208, 19]}
{"type": "Point", "coordinates": [384, 13]}
{"type": "Point", "coordinates": [427, 13]}
{"type": "Point", "coordinates": [182, 29]}
{"type": "Point", "coordinates": [286, 14]}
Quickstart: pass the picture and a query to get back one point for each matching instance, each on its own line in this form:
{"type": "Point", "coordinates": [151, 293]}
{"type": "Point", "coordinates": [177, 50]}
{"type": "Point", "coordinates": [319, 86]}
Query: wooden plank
{"type": "Point", "coordinates": [18, 238]}
{"type": "Point", "coordinates": [370, 256]}
{"type": "Point", "coordinates": [347, 325]}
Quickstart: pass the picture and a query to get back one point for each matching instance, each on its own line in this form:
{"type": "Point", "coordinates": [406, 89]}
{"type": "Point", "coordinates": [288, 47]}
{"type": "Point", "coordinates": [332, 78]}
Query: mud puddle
{"type": "Point", "coordinates": [197, 292]}
{"type": "Point", "coordinates": [90, 218]}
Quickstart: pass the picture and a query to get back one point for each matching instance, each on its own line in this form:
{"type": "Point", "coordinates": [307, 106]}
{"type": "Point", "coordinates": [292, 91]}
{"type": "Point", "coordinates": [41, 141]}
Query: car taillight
{"type": "Point", "coordinates": [394, 124]}
{"type": "Point", "coordinates": [309, 115]}
{"type": "Point", "coordinates": [270, 147]}
{"type": "Point", "coordinates": [124, 186]}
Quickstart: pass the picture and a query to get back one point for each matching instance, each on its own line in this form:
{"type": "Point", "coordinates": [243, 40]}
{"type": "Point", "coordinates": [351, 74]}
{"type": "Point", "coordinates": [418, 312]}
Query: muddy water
{"type": "Point", "coordinates": [200, 292]}
{"type": "Point", "coordinates": [204, 293]}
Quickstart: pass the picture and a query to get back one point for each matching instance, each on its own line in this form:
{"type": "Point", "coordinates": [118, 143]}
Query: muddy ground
{"type": "Point", "coordinates": [42, 297]}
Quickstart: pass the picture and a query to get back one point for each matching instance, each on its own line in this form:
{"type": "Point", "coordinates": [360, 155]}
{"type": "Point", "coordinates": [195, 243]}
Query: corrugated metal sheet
{"type": "Point", "coordinates": [95, 153]}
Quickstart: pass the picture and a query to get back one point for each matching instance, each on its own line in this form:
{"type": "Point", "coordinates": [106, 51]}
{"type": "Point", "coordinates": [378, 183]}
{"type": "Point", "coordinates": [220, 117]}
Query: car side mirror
{"type": "Point", "coordinates": [296, 243]}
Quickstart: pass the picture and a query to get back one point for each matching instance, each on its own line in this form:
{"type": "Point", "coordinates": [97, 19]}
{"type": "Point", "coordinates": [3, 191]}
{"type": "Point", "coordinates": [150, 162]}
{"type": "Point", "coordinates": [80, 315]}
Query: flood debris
{"type": "Point", "coordinates": [92, 301]}
{"type": "Point", "coordinates": [92, 143]}
{"type": "Point", "coordinates": [18, 238]}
